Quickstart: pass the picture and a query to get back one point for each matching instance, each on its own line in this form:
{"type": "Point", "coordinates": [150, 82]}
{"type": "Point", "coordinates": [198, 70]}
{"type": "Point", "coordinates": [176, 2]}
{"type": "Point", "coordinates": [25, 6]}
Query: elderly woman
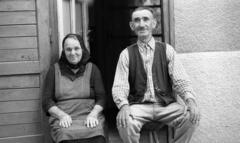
{"type": "Point", "coordinates": [74, 96]}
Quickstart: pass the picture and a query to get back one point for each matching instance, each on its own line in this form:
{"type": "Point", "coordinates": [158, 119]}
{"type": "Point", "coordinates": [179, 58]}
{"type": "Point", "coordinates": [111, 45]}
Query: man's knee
{"type": "Point", "coordinates": [188, 122]}
{"type": "Point", "coordinates": [131, 125]}
{"type": "Point", "coordinates": [184, 121]}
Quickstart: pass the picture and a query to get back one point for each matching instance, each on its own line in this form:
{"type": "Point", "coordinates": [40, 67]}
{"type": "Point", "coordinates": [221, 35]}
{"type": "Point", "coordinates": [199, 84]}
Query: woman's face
{"type": "Point", "coordinates": [73, 50]}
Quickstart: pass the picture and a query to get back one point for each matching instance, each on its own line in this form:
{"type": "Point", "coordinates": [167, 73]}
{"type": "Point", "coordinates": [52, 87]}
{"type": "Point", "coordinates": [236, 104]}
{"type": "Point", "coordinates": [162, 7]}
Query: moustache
{"type": "Point", "coordinates": [141, 28]}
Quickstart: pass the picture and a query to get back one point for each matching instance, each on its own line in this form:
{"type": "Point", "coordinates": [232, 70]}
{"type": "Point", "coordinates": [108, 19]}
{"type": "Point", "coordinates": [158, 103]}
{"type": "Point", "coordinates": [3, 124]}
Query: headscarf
{"type": "Point", "coordinates": [85, 54]}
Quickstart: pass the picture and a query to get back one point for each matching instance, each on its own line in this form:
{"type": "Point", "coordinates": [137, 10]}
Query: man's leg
{"type": "Point", "coordinates": [143, 114]}
{"type": "Point", "coordinates": [173, 115]}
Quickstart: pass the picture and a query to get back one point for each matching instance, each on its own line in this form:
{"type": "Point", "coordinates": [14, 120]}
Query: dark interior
{"type": "Point", "coordinates": [110, 34]}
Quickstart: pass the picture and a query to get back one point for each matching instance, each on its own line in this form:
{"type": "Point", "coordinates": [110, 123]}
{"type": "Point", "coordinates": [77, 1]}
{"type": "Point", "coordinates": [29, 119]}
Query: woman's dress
{"type": "Point", "coordinates": [73, 97]}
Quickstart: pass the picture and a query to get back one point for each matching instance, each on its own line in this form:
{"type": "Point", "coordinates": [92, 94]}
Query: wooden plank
{"type": "Point", "coordinates": [26, 17]}
{"type": "Point", "coordinates": [73, 16]}
{"type": "Point", "coordinates": [20, 118]}
{"type": "Point", "coordinates": [17, 5]}
{"type": "Point", "coordinates": [13, 68]}
{"type": "Point", "coordinates": [54, 31]}
{"type": "Point", "coordinates": [18, 43]}
{"type": "Point", "coordinates": [18, 30]}
{"type": "Point", "coordinates": [85, 21]}
{"type": "Point", "coordinates": [19, 106]}
{"type": "Point", "coordinates": [165, 19]}
{"type": "Point", "coordinates": [18, 55]}
{"type": "Point", "coordinates": [20, 130]}
{"type": "Point", "coordinates": [171, 23]}
{"type": "Point", "coordinates": [21, 81]}
{"type": "Point", "coordinates": [23, 139]}
{"type": "Point", "coordinates": [45, 53]}
{"type": "Point", "coordinates": [19, 94]}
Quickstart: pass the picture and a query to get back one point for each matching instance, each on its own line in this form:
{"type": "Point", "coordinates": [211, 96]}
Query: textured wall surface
{"type": "Point", "coordinates": [216, 79]}
{"type": "Point", "coordinates": [209, 25]}
{"type": "Point", "coordinates": [207, 34]}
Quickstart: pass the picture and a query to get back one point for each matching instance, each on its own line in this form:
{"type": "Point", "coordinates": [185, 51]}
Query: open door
{"type": "Point", "coordinates": [111, 34]}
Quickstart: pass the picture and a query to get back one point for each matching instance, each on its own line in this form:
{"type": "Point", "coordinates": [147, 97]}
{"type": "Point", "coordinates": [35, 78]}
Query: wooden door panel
{"type": "Point", "coordinates": [24, 60]}
{"type": "Point", "coordinates": [26, 17]}
{"type": "Point", "coordinates": [20, 130]}
{"type": "Point", "coordinates": [18, 30]}
{"type": "Point", "coordinates": [20, 118]}
{"type": "Point", "coordinates": [24, 139]}
{"type": "Point", "coordinates": [19, 81]}
{"type": "Point", "coordinates": [18, 43]}
{"type": "Point", "coordinates": [17, 5]}
{"type": "Point", "coordinates": [19, 94]}
{"type": "Point", "coordinates": [13, 68]}
{"type": "Point", "coordinates": [20, 106]}
{"type": "Point", "coordinates": [19, 55]}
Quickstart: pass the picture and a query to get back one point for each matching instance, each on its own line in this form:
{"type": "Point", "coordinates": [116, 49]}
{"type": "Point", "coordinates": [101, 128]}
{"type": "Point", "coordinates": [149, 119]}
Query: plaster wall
{"type": "Point", "coordinates": [215, 77]}
{"type": "Point", "coordinates": [207, 38]}
{"type": "Point", "coordinates": [207, 25]}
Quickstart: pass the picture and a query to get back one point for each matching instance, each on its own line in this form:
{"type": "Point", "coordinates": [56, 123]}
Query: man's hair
{"type": "Point", "coordinates": [144, 8]}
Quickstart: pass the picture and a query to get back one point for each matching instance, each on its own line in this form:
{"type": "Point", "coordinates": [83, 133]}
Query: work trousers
{"type": "Point", "coordinates": [171, 115]}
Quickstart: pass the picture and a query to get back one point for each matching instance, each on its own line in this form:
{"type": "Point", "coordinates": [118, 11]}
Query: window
{"type": "Point", "coordinates": [68, 16]}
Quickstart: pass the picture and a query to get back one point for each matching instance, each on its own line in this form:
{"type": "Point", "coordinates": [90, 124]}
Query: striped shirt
{"type": "Point", "coordinates": [180, 80]}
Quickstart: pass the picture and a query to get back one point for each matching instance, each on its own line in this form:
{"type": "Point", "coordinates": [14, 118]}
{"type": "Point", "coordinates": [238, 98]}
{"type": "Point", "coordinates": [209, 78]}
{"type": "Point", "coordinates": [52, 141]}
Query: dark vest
{"type": "Point", "coordinates": [138, 76]}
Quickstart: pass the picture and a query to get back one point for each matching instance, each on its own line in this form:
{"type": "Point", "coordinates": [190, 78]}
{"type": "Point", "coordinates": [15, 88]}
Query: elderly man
{"type": "Point", "coordinates": [146, 75]}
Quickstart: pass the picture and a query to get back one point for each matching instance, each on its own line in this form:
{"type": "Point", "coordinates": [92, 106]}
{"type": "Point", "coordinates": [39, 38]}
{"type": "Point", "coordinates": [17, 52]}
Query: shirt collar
{"type": "Point", "coordinates": [150, 44]}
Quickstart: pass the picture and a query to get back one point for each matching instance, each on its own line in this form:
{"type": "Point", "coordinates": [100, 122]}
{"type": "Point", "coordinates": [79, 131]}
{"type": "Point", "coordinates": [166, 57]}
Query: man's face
{"type": "Point", "coordinates": [143, 23]}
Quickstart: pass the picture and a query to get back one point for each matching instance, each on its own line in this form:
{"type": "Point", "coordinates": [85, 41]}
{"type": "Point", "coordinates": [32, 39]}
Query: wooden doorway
{"type": "Point", "coordinates": [111, 33]}
{"type": "Point", "coordinates": [24, 61]}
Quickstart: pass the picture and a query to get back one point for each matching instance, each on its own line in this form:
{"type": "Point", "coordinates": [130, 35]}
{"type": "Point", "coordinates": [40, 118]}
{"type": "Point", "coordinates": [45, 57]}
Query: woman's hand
{"type": "Point", "coordinates": [91, 120]}
{"type": "Point", "coordinates": [65, 121]}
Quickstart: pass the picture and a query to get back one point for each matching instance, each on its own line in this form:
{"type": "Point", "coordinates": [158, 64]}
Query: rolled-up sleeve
{"type": "Point", "coordinates": [179, 77]}
{"type": "Point", "coordinates": [120, 89]}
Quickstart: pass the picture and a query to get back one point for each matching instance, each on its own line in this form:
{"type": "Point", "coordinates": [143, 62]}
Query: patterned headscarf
{"type": "Point", "coordinates": [85, 54]}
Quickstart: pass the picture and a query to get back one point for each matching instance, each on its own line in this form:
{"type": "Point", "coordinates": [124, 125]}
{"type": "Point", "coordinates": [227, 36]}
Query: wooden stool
{"type": "Point", "coordinates": [153, 127]}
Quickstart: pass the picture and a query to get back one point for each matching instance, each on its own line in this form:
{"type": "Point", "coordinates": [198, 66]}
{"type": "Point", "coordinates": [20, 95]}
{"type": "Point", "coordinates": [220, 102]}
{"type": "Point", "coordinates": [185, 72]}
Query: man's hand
{"type": "Point", "coordinates": [123, 116]}
{"type": "Point", "coordinates": [194, 111]}
{"type": "Point", "coordinates": [65, 120]}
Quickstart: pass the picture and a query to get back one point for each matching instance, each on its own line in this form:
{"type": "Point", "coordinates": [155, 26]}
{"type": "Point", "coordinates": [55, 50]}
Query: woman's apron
{"type": "Point", "coordinates": [73, 97]}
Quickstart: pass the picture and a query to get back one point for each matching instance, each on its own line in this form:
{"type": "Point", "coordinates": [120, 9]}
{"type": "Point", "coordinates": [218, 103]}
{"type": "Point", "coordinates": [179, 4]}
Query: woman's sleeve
{"type": "Point", "coordinates": [98, 87]}
{"type": "Point", "coordinates": [49, 91]}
